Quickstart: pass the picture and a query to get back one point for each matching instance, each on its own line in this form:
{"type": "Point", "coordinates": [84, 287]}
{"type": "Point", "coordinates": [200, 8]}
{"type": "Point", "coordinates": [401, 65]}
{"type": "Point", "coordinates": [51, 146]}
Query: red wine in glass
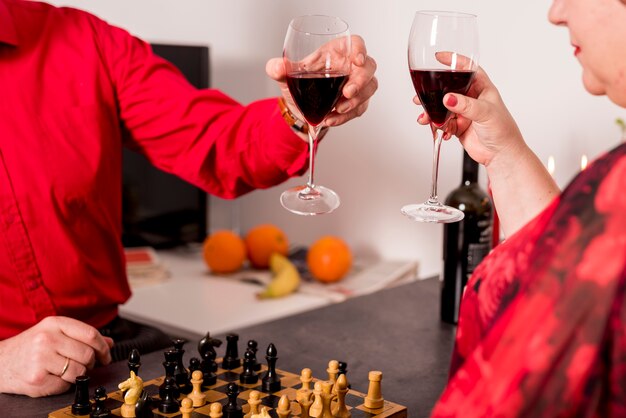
{"type": "Point", "coordinates": [317, 59]}
{"type": "Point", "coordinates": [443, 58]}
{"type": "Point", "coordinates": [316, 93]}
{"type": "Point", "coordinates": [432, 85]}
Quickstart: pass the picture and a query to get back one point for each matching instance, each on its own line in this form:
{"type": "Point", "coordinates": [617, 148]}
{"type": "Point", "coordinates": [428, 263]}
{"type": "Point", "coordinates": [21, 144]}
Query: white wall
{"type": "Point", "coordinates": [382, 161]}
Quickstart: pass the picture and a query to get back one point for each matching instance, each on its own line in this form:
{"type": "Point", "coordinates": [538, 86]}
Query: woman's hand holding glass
{"type": "Point", "coordinates": [482, 123]}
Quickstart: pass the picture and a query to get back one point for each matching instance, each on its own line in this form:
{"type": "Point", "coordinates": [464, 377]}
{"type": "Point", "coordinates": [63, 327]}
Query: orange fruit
{"type": "Point", "coordinates": [263, 240]}
{"type": "Point", "coordinates": [224, 252]}
{"type": "Point", "coordinates": [329, 259]}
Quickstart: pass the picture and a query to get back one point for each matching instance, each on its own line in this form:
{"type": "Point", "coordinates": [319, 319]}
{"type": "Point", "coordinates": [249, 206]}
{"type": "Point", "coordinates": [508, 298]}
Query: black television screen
{"type": "Point", "coordinates": [160, 209]}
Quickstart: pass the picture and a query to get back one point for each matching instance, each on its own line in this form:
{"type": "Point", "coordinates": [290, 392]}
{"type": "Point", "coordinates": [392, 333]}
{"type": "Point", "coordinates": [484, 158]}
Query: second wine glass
{"type": "Point", "coordinates": [317, 59]}
{"type": "Point", "coordinates": [443, 58]}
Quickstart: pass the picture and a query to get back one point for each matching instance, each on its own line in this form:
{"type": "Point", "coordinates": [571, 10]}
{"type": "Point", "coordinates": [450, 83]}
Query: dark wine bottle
{"type": "Point", "coordinates": [467, 242]}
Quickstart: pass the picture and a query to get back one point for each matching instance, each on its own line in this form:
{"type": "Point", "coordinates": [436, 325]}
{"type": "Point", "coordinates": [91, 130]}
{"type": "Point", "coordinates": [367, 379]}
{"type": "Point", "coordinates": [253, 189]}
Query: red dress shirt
{"type": "Point", "coordinates": [73, 91]}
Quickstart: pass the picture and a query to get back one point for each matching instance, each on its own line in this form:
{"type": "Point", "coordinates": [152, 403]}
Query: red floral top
{"type": "Point", "coordinates": [542, 330]}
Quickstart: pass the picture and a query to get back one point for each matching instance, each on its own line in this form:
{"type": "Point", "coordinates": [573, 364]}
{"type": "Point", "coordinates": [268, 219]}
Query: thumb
{"type": "Point", "coordinates": [467, 107]}
{"type": "Point", "coordinates": [275, 68]}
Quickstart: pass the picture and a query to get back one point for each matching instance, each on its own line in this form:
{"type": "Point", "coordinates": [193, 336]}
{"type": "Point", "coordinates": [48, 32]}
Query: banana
{"type": "Point", "coordinates": [286, 278]}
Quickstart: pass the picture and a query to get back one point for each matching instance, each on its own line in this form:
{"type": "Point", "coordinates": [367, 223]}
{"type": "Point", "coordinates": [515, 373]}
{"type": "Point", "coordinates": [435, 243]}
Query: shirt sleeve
{"type": "Point", "coordinates": [203, 136]}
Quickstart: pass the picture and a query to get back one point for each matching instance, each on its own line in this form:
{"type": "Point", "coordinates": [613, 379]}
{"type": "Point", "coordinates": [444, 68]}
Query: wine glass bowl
{"type": "Point", "coordinates": [316, 55]}
{"type": "Point", "coordinates": [443, 58]}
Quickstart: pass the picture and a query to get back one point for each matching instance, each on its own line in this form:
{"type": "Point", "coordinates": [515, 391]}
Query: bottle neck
{"type": "Point", "coordinates": [470, 170]}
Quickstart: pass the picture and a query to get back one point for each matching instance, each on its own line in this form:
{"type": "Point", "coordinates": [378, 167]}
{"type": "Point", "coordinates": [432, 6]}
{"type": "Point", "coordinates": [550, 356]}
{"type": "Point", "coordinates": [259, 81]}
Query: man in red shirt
{"type": "Point", "coordinates": [74, 90]}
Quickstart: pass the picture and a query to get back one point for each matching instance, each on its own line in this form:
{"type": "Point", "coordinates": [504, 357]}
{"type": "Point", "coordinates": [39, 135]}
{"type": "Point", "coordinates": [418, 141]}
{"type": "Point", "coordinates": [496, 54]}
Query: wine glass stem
{"type": "Point", "coordinates": [313, 133]}
{"type": "Point", "coordinates": [437, 136]}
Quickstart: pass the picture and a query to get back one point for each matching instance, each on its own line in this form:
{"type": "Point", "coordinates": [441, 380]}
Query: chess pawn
{"type": "Point", "coordinates": [333, 371]}
{"type": "Point", "coordinates": [215, 410]}
{"type": "Point", "coordinates": [284, 408]}
{"type": "Point", "coordinates": [232, 408]}
{"type": "Point", "coordinates": [340, 410]}
{"type": "Point", "coordinates": [254, 346]}
{"type": "Point", "coordinates": [248, 376]}
{"type": "Point", "coordinates": [197, 397]}
{"type": "Point", "coordinates": [305, 399]}
{"type": "Point", "coordinates": [169, 402]}
{"type": "Point", "coordinates": [254, 399]}
{"type": "Point", "coordinates": [316, 408]}
{"type": "Point", "coordinates": [374, 398]}
{"type": "Point", "coordinates": [194, 364]}
{"type": "Point", "coordinates": [186, 408]}
{"type": "Point", "coordinates": [99, 409]}
{"type": "Point", "coordinates": [306, 378]}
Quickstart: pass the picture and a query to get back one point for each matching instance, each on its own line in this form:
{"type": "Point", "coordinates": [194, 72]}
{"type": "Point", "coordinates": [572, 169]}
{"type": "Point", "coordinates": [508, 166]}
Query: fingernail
{"type": "Point", "coordinates": [329, 122]}
{"type": "Point", "coordinates": [420, 116]}
{"type": "Point", "coordinates": [452, 100]}
{"type": "Point", "coordinates": [361, 59]}
{"type": "Point", "coordinates": [343, 108]}
{"type": "Point", "coordinates": [350, 91]}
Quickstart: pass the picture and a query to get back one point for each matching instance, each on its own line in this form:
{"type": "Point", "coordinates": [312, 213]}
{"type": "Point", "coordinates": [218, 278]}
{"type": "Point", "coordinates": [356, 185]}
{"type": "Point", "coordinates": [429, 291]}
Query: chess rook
{"type": "Point", "coordinates": [231, 358]}
{"type": "Point", "coordinates": [374, 398]}
{"type": "Point", "coordinates": [81, 405]}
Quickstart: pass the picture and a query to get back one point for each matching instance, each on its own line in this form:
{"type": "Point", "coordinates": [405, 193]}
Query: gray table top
{"type": "Point", "coordinates": [396, 331]}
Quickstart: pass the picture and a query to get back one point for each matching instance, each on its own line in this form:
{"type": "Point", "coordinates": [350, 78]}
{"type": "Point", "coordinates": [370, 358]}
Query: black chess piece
{"type": "Point", "coordinates": [343, 369]}
{"type": "Point", "coordinates": [99, 409]}
{"type": "Point", "coordinates": [232, 408]}
{"type": "Point", "coordinates": [208, 344]}
{"type": "Point", "coordinates": [134, 361]}
{"type": "Point", "coordinates": [180, 373]}
{"type": "Point", "coordinates": [170, 365]}
{"type": "Point", "coordinates": [248, 376]}
{"type": "Point", "coordinates": [254, 346]}
{"type": "Point", "coordinates": [194, 364]}
{"type": "Point", "coordinates": [169, 400]}
{"type": "Point", "coordinates": [81, 405]}
{"type": "Point", "coordinates": [143, 407]}
{"type": "Point", "coordinates": [231, 358]}
{"type": "Point", "coordinates": [271, 382]}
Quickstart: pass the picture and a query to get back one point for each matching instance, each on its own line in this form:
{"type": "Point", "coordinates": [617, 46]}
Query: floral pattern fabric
{"type": "Point", "coordinates": [542, 329]}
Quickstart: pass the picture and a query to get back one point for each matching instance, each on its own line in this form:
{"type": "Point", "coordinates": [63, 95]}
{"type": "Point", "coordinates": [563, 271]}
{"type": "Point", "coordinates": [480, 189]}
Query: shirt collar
{"type": "Point", "coordinates": [8, 32]}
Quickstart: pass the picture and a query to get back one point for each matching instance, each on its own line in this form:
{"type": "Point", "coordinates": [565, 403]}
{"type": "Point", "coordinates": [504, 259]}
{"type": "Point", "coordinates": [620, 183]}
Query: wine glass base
{"type": "Point", "coordinates": [303, 200]}
{"type": "Point", "coordinates": [434, 213]}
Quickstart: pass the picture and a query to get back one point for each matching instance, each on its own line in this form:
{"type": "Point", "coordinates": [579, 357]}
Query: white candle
{"type": "Point", "coordinates": [583, 162]}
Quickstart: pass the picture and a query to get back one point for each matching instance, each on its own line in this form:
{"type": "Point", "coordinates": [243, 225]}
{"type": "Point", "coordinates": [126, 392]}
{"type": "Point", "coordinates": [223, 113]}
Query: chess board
{"type": "Point", "coordinates": [290, 383]}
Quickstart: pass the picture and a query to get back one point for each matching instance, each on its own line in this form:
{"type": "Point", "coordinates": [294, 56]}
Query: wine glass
{"type": "Point", "coordinates": [317, 59]}
{"type": "Point", "coordinates": [443, 58]}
